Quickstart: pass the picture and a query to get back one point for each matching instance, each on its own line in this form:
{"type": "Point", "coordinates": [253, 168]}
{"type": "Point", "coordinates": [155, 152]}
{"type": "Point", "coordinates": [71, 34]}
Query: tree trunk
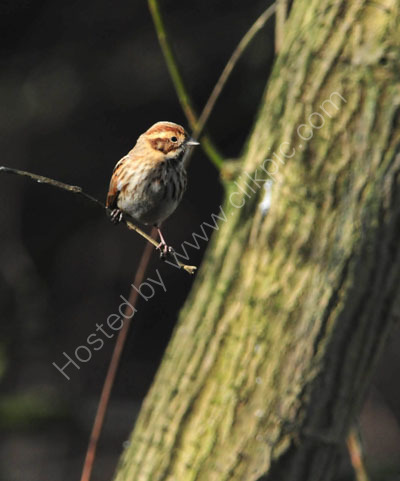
{"type": "Point", "coordinates": [277, 342]}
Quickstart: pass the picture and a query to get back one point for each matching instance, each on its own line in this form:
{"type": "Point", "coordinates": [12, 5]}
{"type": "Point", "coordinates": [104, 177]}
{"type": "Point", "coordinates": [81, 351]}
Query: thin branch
{"type": "Point", "coordinates": [74, 189]}
{"type": "Point", "coordinates": [40, 179]}
{"type": "Point", "coordinates": [356, 453]}
{"type": "Point", "coordinates": [178, 82]}
{"type": "Point", "coordinates": [113, 368]}
{"type": "Point", "coordinates": [198, 125]}
{"type": "Point", "coordinates": [241, 47]}
{"type": "Point", "coordinates": [282, 8]}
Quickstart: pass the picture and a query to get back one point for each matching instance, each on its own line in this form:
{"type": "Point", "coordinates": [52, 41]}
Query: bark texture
{"type": "Point", "coordinates": [277, 342]}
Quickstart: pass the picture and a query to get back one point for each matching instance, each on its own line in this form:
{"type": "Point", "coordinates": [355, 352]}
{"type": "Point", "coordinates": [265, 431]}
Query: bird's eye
{"type": "Point", "coordinates": [174, 139]}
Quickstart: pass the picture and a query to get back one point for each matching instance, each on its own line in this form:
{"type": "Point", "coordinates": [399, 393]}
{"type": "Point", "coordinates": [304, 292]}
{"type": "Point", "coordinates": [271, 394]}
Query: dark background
{"type": "Point", "coordinates": [79, 82]}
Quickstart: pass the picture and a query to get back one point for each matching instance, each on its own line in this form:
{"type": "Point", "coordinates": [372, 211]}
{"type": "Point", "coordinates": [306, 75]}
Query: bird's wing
{"type": "Point", "coordinates": [114, 189]}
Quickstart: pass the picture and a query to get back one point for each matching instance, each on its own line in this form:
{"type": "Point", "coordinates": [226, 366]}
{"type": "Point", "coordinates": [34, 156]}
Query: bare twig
{"type": "Point", "coordinates": [113, 367]}
{"type": "Point", "coordinates": [241, 47]}
{"type": "Point", "coordinates": [178, 82]}
{"type": "Point", "coordinates": [40, 179]}
{"type": "Point", "coordinates": [356, 454]}
{"type": "Point", "coordinates": [282, 7]}
{"type": "Point", "coordinates": [74, 189]}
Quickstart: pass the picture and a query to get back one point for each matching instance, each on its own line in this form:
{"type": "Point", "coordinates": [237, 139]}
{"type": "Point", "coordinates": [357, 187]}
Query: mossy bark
{"type": "Point", "coordinates": [277, 342]}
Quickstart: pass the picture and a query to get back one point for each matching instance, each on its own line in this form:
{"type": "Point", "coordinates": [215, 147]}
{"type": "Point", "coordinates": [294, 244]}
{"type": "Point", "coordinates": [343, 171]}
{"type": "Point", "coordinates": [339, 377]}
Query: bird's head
{"type": "Point", "coordinates": [169, 138]}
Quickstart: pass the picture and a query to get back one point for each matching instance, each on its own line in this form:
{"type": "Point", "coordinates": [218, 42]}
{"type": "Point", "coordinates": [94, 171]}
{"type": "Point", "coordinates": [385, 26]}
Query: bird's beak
{"type": "Point", "coordinates": [192, 142]}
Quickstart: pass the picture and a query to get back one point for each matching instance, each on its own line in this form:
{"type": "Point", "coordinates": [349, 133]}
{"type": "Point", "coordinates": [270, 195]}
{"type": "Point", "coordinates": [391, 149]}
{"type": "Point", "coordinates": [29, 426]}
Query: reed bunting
{"type": "Point", "coordinates": [149, 182]}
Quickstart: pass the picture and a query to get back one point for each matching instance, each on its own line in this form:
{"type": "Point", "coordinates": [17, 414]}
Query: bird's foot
{"type": "Point", "coordinates": [116, 216]}
{"type": "Point", "coordinates": [162, 246]}
{"type": "Point", "coordinates": [164, 249]}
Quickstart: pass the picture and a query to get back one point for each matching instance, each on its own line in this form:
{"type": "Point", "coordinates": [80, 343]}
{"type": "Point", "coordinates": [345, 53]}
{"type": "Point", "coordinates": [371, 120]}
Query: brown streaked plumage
{"type": "Point", "coordinates": [149, 182]}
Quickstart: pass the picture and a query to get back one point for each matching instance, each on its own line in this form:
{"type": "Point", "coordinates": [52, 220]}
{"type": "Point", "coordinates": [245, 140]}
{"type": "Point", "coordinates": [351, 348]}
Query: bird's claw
{"type": "Point", "coordinates": [116, 216]}
{"type": "Point", "coordinates": [165, 250]}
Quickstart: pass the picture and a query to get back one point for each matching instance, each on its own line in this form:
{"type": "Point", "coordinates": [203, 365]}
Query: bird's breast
{"type": "Point", "coordinates": [151, 195]}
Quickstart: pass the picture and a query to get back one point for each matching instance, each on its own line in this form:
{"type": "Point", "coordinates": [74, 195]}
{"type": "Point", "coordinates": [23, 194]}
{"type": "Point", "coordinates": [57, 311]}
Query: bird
{"type": "Point", "coordinates": [148, 183]}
